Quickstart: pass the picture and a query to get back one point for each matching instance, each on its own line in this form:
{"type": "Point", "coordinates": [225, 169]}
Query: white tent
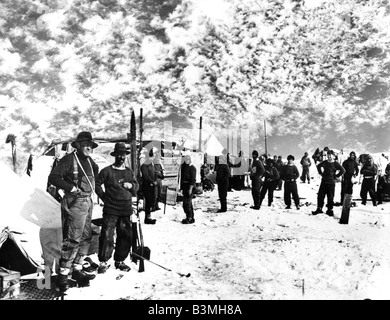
{"type": "Point", "coordinates": [25, 209]}
{"type": "Point", "coordinates": [212, 146]}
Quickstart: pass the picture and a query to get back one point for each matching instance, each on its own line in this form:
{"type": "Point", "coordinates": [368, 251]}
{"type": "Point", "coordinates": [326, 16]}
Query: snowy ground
{"type": "Point", "coordinates": [271, 254]}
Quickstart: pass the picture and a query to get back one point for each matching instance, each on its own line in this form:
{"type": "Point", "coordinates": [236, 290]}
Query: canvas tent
{"type": "Point", "coordinates": [25, 210]}
{"type": "Point", "coordinates": [212, 146]}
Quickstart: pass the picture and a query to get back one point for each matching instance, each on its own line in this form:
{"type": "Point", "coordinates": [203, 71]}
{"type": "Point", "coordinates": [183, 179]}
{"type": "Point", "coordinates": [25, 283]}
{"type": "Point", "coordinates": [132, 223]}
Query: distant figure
{"type": "Point", "coordinates": [159, 168]}
{"type": "Point", "coordinates": [329, 170]}
{"type": "Point", "coordinates": [222, 178]}
{"type": "Point", "coordinates": [271, 176]}
{"type": "Point", "coordinates": [149, 183]}
{"type": "Point", "coordinates": [187, 185]}
{"type": "Point", "coordinates": [383, 185]}
{"type": "Point", "coordinates": [351, 170]}
{"type": "Point", "coordinates": [305, 163]}
{"type": "Point", "coordinates": [278, 165]}
{"type": "Point", "coordinates": [256, 174]}
{"type": "Point", "coordinates": [369, 172]}
{"type": "Point", "coordinates": [290, 174]}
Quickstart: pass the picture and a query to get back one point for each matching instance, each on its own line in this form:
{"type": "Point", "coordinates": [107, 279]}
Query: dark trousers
{"type": "Point", "coordinates": [346, 187]}
{"type": "Point", "coordinates": [326, 189]}
{"type": "Point", "coordinates": [256, 187]}
{"type": "Point", "coordinates": [291, 190]}
{"type": "Point", "coordinates": [157, 194]}
{"type": "Point", "coordinates": [76, 214]}
{"type": "Point", "coordinates": [305, 174]}
{"type": "Point", "coordinates": [368, 186]}
{"type": "Point", "coordinates": [124, 237]}
{"type": "Point", "coordinates": [149, 193]}
{"type": "Point", "coordinates": [268, 186]}
{"type": "Point", "coordinates": [223, 187]}
{"type": "Point", "coordinates": [187, 201]}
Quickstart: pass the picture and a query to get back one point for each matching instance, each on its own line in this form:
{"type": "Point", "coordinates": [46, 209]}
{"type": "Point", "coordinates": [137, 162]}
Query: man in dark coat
{"type": "Point", "coordinates": [222, 179]}
{"type": "Point", "coordinates": [289, 174]}
{"type": "Point", "coordinates": [256, 175]}
{"type": "Point", "coordinates": [158, 166]}
{"type": "Point", "coordinates": [120, 185]}
{"type": "Point", "coordinates": [149, 183]}
{"type": "Point", "coordinates": [75, 175]}
{"type": "Point", "coordinates": [271, 177]}
{"type": "Point", "coordinates": [330, 171]}
{"type": "Point", "coordinates": [351, 170]}
{"type": "Point", "coordinates": [187, 186]}
{"type": "Point", "coordinates": [369, 172]}
{"type": "Point", "coordinates": [279, 164]}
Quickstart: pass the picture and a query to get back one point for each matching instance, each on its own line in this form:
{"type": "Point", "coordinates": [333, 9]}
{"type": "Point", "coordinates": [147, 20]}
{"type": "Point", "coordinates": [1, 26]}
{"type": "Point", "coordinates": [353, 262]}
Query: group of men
{"type": "Point", "coordinates": [79, 177]}
{"type": "Point", "coordinates": [264, 179]}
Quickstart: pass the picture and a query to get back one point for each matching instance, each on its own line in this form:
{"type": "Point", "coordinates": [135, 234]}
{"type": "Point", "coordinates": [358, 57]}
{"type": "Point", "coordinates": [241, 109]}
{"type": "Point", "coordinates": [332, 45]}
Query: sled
{"type": "Point", "coordinates": [346, 208]}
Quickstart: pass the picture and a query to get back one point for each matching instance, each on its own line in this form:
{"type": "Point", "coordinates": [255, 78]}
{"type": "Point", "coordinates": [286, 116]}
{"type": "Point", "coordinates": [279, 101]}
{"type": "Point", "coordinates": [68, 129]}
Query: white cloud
{"type": "Point", "coordinates": [9, 61]}
{"type": "Point", "coordinates": [41, 66]}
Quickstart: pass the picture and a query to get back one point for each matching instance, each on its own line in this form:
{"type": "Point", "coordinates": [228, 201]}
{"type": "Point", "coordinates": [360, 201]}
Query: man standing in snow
{"type": "Point", "coordinates": [369, 172]}
{"type": "Point", "coordinates": [330, 171]}
{"type": "Point", "coordinates": [305, 163]}
{"type": "Point", "coordinates": [158, 166]}
{"type": "Point", "coordinates": [187, 186]}
{"type": "Point", "coordinates": [351, 170]}
{"type": "Point", "coordinates": [222, 178]}
{"type": "Point", "coordinates": [290, 174]}
{"type": "Point", "coordinates": [271, 176]}
{"type": "Point", "coordinates": [120, 185]}
{"type": "Point", "coordinates": [278, 165]}
{"type": "Point", "coordinates": [256, 174]}
{"type": "Point", "coordinates": [75, 174]}
{"type": "Point", "coordinates": [149, 183]}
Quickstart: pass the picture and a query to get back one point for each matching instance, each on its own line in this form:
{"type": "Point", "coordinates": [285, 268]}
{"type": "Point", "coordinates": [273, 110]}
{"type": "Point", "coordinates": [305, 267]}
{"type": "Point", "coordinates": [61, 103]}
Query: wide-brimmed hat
{"type": "Point", "coordinates": [84, 136]}
{"type": "Point", "coordinates": [120, 147]}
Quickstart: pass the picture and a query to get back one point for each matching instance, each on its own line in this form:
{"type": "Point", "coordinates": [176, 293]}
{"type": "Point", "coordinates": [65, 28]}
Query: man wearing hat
{"type": "Point", "coordinates": [148, 183]}
{"type": "Point", "coordinates": [351, 171]}
{"type": "Point", "coordinates": [75, 175]}
{"type": "Point", "coordinates": [256, 175]}
{"type": "Point", "coordinates": [222, 178]}
{"type": "Point", "coordinates": [369, 172]}
{"type": "Point", "coordinates": [330, 170]}
{"type": "Point", "coordinates": [120, 185]}
{"type": "Point", "coordinates": [187, 185]}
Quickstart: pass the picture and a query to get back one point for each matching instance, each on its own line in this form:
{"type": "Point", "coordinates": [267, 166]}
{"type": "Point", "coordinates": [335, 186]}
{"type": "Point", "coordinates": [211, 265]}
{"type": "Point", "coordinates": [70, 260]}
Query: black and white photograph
{"type": "Point", "coordinates": [204, 151]}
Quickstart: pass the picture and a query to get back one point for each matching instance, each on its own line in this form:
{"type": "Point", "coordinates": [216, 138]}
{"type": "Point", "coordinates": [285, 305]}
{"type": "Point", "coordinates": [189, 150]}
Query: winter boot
{"type": "Point", "coordinates": [318, 210]}
{"type": "Point", "coordinates": [330, 213]}
{"type": "Point", "coordinates": [122, 266]}
{"type": "Point", "coordinates": [188, 220]}
{"type": "Point", "coordinates": [62, 282]}
{"type": "Point", "coordinates": [103, 267]}
{"type": "Point", "coordinates": [81, 278]}
{"type": "Point", "coordinates": [150, 221]}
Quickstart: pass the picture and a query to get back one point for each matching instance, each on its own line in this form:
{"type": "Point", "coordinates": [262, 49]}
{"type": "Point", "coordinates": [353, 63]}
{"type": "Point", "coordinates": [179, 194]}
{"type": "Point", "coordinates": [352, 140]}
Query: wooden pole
{"type": "Point", "coordinates": [265, 137]}
{"type": "Point", "coordinates": [200, 134]}
{"type": "Point", "coordinates": [141, 129]}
